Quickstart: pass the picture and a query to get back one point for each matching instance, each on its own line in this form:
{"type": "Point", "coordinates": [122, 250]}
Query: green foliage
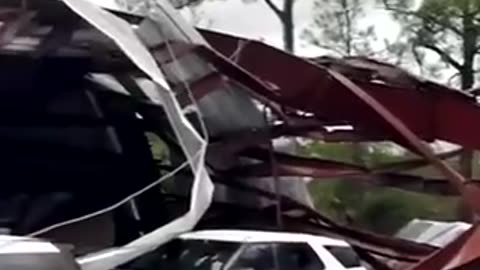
{"type": "Point", "coordinates": [335, 151]}
{"type": "Point", "coordinates": [381, 210]}
{"type": "Point", "coordinates": [372, 154]}
{"type": "Point", "coordinates": [158, 147]}
{"type": "Point", "coordinates": [448, 28]}
{"type": "Point", "coordinates": [162, 155]}
{"type": "Point", "coordinates": [387, 210]}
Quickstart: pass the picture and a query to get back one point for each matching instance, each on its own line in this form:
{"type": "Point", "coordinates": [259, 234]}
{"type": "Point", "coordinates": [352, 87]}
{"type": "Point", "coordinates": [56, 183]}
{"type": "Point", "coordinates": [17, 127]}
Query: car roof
{"type": "Point", "coordinates": [252, 236]}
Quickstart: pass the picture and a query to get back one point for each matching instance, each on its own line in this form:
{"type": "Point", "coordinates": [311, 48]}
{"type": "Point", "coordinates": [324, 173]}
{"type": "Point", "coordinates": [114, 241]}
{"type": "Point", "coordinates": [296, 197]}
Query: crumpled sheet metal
{"type": "Point", "coordinates": [355, 102]}
{"type": "Point", "coordinates": [366, 69]}
{"type": "Point", "coordinates": [455, 178]}
{"type": "Point", "coordinates": [192, 143]}
{"type": "Point", "coordinates": [421, 105]}
{"type": "Point", "coordinates": [406, 114]}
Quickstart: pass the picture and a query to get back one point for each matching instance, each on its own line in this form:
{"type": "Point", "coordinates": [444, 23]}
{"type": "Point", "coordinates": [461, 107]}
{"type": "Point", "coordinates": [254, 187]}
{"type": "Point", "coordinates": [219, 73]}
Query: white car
{"type": "Point", "coordinates": [249, 250]}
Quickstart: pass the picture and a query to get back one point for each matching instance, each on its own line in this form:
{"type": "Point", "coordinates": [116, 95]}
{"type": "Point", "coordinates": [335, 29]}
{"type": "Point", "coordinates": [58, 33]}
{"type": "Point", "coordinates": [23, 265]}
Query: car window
{"type": "Point", "coordinates": [297, 256]}
{"type": "Point", "coordinates": [281, 256]}
{"type": "Point", "coordinates": [345, 255]}
{"type": "Point", "coordinates": [255, 257]}
{"type": "Point", "coordinates": [185, 255]}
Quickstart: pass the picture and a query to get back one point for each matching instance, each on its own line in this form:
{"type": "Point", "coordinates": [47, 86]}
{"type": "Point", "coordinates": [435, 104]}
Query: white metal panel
{"type": "Point", "coordinates": [192, 143]}
{"type": "Point", "coordinates": [431, 232]}
{"type": "Point", "coordinates": [330, 262]}
{"type": "Point", "coordinates": [252, 236]}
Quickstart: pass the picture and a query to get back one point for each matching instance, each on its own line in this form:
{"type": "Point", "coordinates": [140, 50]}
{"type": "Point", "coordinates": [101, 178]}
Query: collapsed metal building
{"type": "Point", "coordinates": [85, 90]}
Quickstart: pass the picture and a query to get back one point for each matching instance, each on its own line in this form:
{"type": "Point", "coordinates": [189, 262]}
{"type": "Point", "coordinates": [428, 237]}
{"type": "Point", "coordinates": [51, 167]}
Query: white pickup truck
{"type": "Point", "coordinates": [249, 250]}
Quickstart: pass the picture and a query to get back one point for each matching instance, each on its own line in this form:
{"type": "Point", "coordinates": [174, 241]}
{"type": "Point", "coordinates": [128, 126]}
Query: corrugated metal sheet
{"type": "Point", "coordinates": [434, 233]}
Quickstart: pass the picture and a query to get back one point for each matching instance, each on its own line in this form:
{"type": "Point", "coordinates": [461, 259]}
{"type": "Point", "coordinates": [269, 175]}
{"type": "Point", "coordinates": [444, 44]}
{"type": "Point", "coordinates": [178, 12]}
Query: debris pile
{"type": "Point", "coordinates": [85, 90]}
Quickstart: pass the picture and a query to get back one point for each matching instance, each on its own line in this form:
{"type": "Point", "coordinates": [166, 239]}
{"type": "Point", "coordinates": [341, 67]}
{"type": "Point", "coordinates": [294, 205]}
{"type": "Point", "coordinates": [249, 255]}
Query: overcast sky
{"type": "Point", "coordinates": [257, 21]}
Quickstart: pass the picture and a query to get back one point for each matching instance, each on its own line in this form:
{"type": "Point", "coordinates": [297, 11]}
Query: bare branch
{"type": "Point", "coordinates": [450, 80]}
{"type": "Point", "coordinates": [444, 55]}
{"type": "Point", "coordinates": [418, 59]}
{"type": "Point", "coordinates": [274, 8]}
{"type": "Point", "coordinates": [329, 48]}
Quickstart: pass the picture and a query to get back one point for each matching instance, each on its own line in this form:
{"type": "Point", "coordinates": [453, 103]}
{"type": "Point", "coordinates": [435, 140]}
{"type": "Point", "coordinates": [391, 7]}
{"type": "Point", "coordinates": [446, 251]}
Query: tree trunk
{"type": "Point", "coordinates": [348, 26]}
{"type": "Point", "coordinates": [467, 77]}
{"type": "Point", "coordinates": [288, 26]}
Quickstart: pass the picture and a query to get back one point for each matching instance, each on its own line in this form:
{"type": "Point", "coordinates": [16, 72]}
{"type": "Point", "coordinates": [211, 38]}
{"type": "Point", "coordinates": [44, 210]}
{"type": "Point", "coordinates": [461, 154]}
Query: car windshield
{"type": "Point", "coordinates": [183, 255]}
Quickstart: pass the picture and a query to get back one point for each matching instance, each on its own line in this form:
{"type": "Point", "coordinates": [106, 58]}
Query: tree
{"type": "Point", "coordinates": [336, 28]}
{"type": "Point", "coordinates": [447, 28]}
{"type": "Point", "coordinates": [285, 15]}
{"type": "Point", "coordinates": [143, 5]}
{"type": "Point", "coordinates": [450, 29]}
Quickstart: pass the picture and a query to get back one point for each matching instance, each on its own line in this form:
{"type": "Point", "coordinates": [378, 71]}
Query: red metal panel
{"type": "Point", "coordinates": [422, 111]}
{"type": "Point", "coordinates": [266, 62]}
{"type": "Point", "coordinates": [413, 107]}
{"type": "Point", "coordinates": [457, 120]}
{"type": "Point", "coordinates": [429, 110]}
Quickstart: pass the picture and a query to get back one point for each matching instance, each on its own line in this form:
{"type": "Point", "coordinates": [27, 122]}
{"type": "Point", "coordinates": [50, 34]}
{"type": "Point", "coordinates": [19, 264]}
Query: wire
{"type": "Point", "coordinates": [274, 166]}
{"type": "Point", "coordinates": [111, 207]}
{"type": "Point", "coordinates": [241, 44]}
{"type": "Point", "coordinates": [179, 70]}
{"type": "Point", "coordinates": [150, 186]}
{"type": "Point", "coordinates": [182, 78]}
